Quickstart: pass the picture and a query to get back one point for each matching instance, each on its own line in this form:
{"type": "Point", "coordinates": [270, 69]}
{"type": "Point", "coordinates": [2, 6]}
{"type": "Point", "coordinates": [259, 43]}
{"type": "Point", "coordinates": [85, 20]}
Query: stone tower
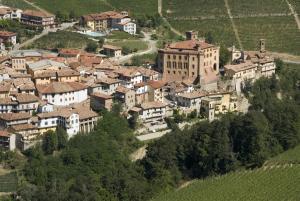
{"type": "Point", "coordinates": [262, 45]}
{"type": "Point", "coordinates": [191, 35]}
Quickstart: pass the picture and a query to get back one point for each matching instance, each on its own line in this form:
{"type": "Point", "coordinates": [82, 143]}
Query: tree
{"type": "Point", "coordinates": [50, 142]}
{"type": "Point", "coordinates": [101, 42]}
{"type": "Point", "coordinates": [91, 47]}
{"type": "Point", "coordinates": [62, 138]}
{"type": "Point", "coordinates": [72, 15]}
{"type": "Point", "coordinates": [224, 56]}
{"type": "Point", "coordinates": [209, 38]}
{"type": "Point", "coordinates": [279, 65]}
{"type": "Point", "coordinates": [126, 50]}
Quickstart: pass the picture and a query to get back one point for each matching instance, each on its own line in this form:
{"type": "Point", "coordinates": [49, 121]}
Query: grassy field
{"type": "Point", "coordinates": [61, 39]}
{"type": "Point", "coordinates": [246, 7]}
{"type": "Point", "coordinates": [133, 45]}
{"type": "Point", "coordinates": [276, 184]}
{"type": "Point", "coordinates": [221, 29]}
{"type": "Point", "coordinates": [292, 155]}
{"type": "Point", "coordinates": [281, 33]}
{"type": "Point", "coordinates": [8, 182]}
{"type": "Point", "coordinates": [17, 4]}
{"type": "Point", "coordinates": [120, 35]}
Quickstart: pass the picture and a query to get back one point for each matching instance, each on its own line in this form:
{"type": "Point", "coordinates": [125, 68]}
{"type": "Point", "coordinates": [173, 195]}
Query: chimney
{"type": "Point", "coordinates": [262, 44]}
{"type": "Point", "coordinates": [191, 35]}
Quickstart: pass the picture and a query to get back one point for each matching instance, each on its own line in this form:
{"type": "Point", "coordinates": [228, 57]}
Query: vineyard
{"type": "Point", "coordinates": [8, 182]}
{"type": "Point", "coordinates": [274, 183]}
{"type": "Point", "coordinates": [277, 180]}
{"type": "Point", "coordinates": [255, 19]}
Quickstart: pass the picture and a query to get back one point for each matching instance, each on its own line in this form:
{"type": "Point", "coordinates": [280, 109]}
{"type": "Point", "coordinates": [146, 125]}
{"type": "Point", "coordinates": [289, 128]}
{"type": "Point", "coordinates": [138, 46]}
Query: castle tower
{"type": "Point", "coordinates": [191, 35]}
{"type": "Point", "coordinates": [262, 45]}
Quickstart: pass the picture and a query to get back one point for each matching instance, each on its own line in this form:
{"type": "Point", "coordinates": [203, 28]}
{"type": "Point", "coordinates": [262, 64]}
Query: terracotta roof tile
{"type": "Point", "coordinates": [60, 87]}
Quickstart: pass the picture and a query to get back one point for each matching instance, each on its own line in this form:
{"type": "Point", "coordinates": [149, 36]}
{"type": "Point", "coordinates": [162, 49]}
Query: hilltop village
{"type": "Point", "coordinates": [42, 90]}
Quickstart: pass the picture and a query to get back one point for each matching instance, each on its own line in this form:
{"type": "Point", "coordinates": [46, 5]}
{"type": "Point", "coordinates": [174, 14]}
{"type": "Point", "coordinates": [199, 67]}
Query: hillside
{"type": "Point", "coordinates": [81, 7]}
{"type": "Point", "coordinates": [251, 20]}
{"type": "Point", "coordinates": [278, 179]}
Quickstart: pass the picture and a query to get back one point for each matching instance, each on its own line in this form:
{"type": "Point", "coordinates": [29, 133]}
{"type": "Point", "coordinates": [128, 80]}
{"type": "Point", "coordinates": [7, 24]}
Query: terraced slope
{"type": "Point", "coordinates": [8, 182]}
{"type": "Point", "coordinates": [81, 7]}
{"type": "Point", "coordinates": [274, 183]}
{"type": "Point", "coordinates": [255, 19]}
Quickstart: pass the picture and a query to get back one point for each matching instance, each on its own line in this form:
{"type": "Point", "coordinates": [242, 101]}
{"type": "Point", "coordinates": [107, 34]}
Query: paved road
{"type": "Point", "coordinates": [151, 49]}
{"type": "Point", "coordinates": [44, 32]}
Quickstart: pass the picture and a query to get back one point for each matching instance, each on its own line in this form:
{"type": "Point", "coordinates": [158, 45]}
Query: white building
{"type": "Point", "coordinates": [106, 86]}
{"type": "Point", "coordinates": [19, 103]}
{"type": "Point", "coordinates": [190, 101]}
{"type": "Point", "coordinates": [10, 13]}
{"type": "Point", "coordinates": [67, 119]}
{"type": "Point", "coordinates": [130, 76]}
{"type": "Point", "coordinates": [152, 112]}
{"type": "Point", "coordinates": [127, 26]}
{"type": "Point", "coordinates": [63, 93]}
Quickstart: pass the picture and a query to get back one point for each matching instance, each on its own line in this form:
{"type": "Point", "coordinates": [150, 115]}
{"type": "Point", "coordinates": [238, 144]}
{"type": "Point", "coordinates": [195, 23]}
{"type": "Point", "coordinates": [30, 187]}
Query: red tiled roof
{"type": "Point", "coordinates": [156, 84]}
{"type": "Point", "coordinates": [37, 13]}
{"type": "Point", "coordinates": [4, 134]}
{"type": "Point", "coordinates": [7, 34]}
{"type": "Point", "coordinates": [60, 87]}
{"type": "Point", "coordinates": [190, 45]}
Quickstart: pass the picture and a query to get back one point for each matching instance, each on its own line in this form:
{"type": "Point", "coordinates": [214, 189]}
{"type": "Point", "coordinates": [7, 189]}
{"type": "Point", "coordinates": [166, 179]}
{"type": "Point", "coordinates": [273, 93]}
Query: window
{"type": "Point", "coordinates": [174, 56]}
{"type": "Point", "coordinates": [193, 66]}
{"type": "Point", "coordinates": [193, 58]}
{"type": "Point", "coordinates": [174, 64]}
{"type": "Point", "coordinates": [179, 57]}
{"type": "Point", "coordinates": [169, 57]}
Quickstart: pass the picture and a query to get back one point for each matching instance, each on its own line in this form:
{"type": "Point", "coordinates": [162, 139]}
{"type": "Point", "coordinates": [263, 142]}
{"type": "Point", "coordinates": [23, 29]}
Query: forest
{"type": "Point", "coordinates": [96, 166]}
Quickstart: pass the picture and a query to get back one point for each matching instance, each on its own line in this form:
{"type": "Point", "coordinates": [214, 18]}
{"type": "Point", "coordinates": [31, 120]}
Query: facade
{"type": "Point", "coordinates": [112, 51]}
{"type": "Point", "coordinates": [105, 86]}
{"type": "Point", "coordinates": [63, 75]}
{"type": "Point", "coordinates": [129, 76]}
{"type": "Point", "coordinates": [141, 93]}
{"type": "Point", "coordinates": [26, 135]}
{"type": "Point", "coordinates": [62, 93]}
{"type": "Point", "coordinates": [12, 119]}
{"type": "Point", "coordinates": [10, 13]}
{"type": "Point", "coordinates": [125, 96]}
{"type": "Point", "coordinates": [19, 103]}
{"type": "Point", "coordinates": [101, 101]}
{"type": "Point", "coordinates": [155, 90]}
{"type": "Point", "coordinates": [192, 59]}
{"type": "Point", "coordinates": [43, 65]}
{"type": "Point", "coordinates": [7, 140]}
{"type": "Point", "coordinates": [152, 112]}
{"type": "Point", "coordinates": [19, 64]}
{"type": "Point", "coordinates": [127, 26]}
{"type": "Point", "coordinates": [67, 119]}
{"type": "Point", "coordinates": [38, 18]}
{"type": "Point", "coordinates": [101, 21]}
{"type": "Point", "coordinates": [8, 38]}
{"type": "Point", "coordinates": [190, 101]}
